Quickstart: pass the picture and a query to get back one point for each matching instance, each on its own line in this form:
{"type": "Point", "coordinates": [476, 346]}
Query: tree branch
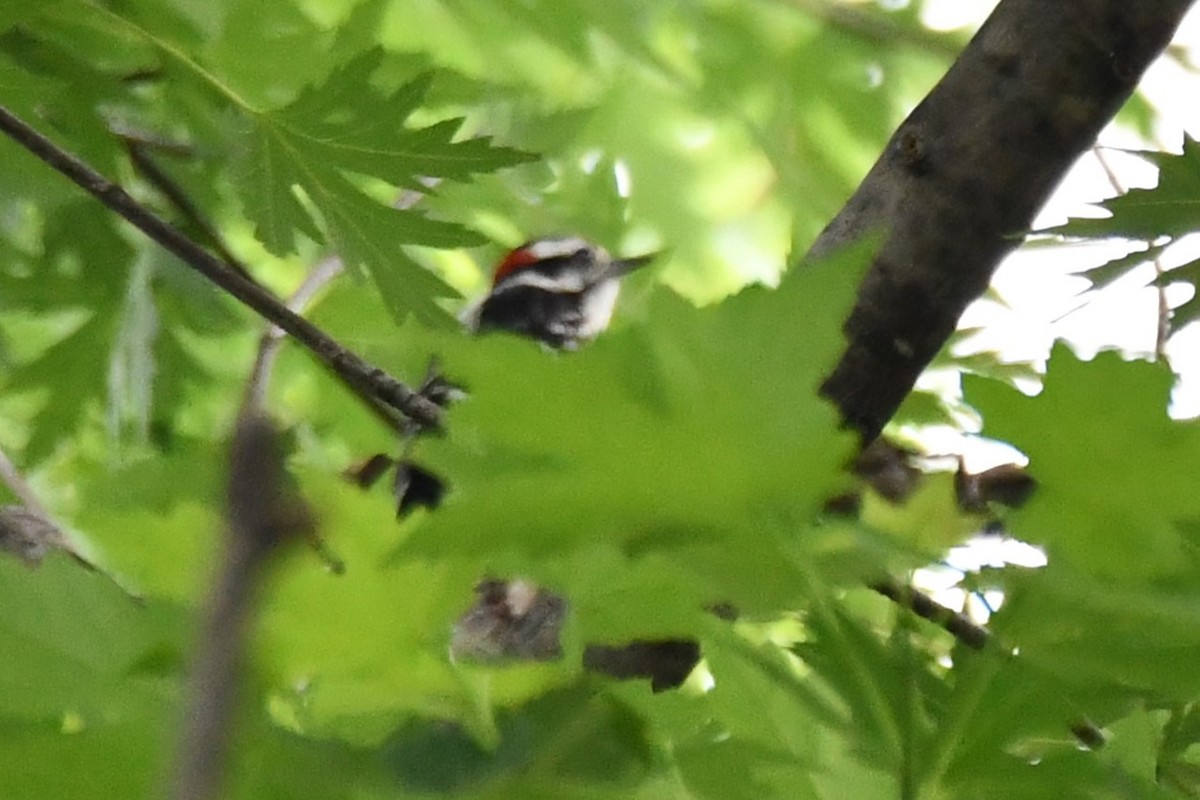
{"type": "Point", "coordinates": [272, 339]}
{"type": "Point", "coordinates": [963, 176]}
{"type": "Point", "coordinates": [318, 277]}
{"type": "Point", "coordinates": [30, 529]}
{"type": "Point", "coordinates": [11, 477]}
{"type": "Point", "coordinates": [176, 196]}
{"type": "Point", "coordinates": [345, 363]}
{"type": "Point", "coordinates": [969, 633]}
{"type": "Point", "coordinates": [956, 624]}
{"type": "Point", "coordinates": [321, 274]}
{"type": "Point", "coordinates": [261, 518]}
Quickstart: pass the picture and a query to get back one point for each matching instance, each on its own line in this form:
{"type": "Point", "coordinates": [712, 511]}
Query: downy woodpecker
{"type": "Point", "coordinates": [560, 291]}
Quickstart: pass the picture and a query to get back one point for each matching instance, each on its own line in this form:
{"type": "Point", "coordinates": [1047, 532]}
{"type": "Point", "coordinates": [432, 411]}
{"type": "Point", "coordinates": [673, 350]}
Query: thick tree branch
{"type": "Point", "coordinates": [345, 363]}
{"type": "Point", "coordinates": [961, 179]}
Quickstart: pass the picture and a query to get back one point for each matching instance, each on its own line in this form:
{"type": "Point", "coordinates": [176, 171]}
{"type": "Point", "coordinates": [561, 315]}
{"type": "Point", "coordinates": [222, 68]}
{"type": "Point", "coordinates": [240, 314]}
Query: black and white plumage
{"type": "Point", "coordinates": [560, 291]}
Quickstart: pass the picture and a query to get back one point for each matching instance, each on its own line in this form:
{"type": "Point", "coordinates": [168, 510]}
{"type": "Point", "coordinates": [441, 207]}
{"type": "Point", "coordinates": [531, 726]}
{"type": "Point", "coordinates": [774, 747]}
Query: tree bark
{"type": "Point", "coordinates": [962, 177]}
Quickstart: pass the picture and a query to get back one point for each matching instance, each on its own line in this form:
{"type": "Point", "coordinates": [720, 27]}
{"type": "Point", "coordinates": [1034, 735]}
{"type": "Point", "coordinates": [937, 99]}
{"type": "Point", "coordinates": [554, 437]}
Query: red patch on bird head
{"type": "Point", "coordinates": [518, 259]}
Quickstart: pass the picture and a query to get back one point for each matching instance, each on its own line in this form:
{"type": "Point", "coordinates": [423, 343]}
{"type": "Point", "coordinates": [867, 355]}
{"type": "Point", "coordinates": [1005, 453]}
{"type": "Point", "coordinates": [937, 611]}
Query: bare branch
{"type": "Point", "coordinates": [963, 176]}
{"type": "Point", "coordinates": [30, 530]}
{"type": "Point", "coordinates": [261, 518]}
{"type": "Point", "coordinates": [177, 197]}
{"type": "Point", "coordinates": [957, 624]}
{"type": "Point", "coordinates": [972, 635]}
{"type": "Point", "coordinates": [345, 363]}
{"type": "Point", "coordinates": [322, 273]}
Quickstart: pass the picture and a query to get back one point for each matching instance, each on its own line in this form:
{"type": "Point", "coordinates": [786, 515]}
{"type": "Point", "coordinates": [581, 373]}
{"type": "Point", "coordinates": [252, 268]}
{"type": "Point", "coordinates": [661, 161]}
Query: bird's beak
{"type": "Point", "coordinates": [624, 266]}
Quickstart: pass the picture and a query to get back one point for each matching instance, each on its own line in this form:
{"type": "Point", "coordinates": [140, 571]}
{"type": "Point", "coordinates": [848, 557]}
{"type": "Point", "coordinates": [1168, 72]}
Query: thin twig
{"type": "Point", "coordinates": [261, 518]}
{"type": "Point", "coordinates": [49, 532]}
{"type": "Point", "coordinates": [342, 361]}
{"type": "Point", "coordinates": [55, 535]}
{"type": "Point", "coordinates": [1163, 331]}
{"type": "Point", "coordinates": [957, 624]}
{"type": "Point", "coordinates": [969, 633]}
{"type": "Point", "coordinates": [268, 346]}
{"type": "Point", "coordinates": [322, 273]}
{"type": "Point", "coordinates": [177, 197]}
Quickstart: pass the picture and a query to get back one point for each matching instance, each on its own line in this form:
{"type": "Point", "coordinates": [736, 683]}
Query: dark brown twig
{"type": "Point", "coordinates": [322, 273]}
{"type": "Point", "coordinates": [956, 624]}
{"type": "Point", "coordinates": [345, 363]}
{"type": "Point", "coordinates": [972, 635]}
{"type": "Point", "coordinates": [176, 196]}
{"type": "Point", "coordinates": [272, 340]}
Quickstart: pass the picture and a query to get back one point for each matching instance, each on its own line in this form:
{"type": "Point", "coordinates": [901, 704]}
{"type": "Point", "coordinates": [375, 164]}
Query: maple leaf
{"type": "Point", "coordinates": [298, 168]}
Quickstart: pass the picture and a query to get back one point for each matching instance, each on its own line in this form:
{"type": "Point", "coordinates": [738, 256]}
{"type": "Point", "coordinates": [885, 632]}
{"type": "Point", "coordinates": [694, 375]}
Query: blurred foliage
{"type": "Point", "coordinates": [680, 461]}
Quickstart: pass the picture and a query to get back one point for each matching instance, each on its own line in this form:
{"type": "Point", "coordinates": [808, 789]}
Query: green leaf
{"type": "Point", "coordinates": [349, 126]}
{"type": "Point", "coordinates": [712, 431]}
{"type": "Point", "coordinates": [368, 236]}
{"type": "Point", "coordinates": [84, 266]}
{"type": "Point", "coordinates": [82, 355]}
{"type": "Point", "coordinates": [75, 642]}
{"type": "Point", "coordinates": [265, 51]}
{"type": "Point", "coordinates": [339, 128]}
{"type": "Point", "coordinates": [1114, 472]}
{"type": "Point", "coordinates": [1110, 640]}
{"type": "Point", "coordinates": [1170, 209]}
{"type": "Point", "coordinates": [1105, 274]}
{"type": "Point", "coordinates": [928, 520]}
{"type": "Point", "coordinates": [267, 180]}
{"type": "Point", "coordinates": [924, 408]}
{"type": "Point", "coordinates": [1186, 314]}
{"type": "Point", "coordinates": [104, 760]}
{"type": "Point", "coordinates": [1185, 273]}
